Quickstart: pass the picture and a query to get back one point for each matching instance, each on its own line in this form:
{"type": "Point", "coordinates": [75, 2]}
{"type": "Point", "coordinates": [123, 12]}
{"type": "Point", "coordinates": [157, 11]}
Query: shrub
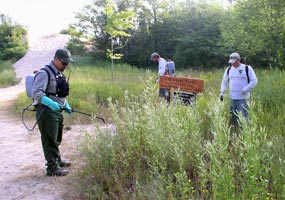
{"type": "Point", "coordinates": [161, 151]}
{"type": "Point", "coordinates": [7, 74]}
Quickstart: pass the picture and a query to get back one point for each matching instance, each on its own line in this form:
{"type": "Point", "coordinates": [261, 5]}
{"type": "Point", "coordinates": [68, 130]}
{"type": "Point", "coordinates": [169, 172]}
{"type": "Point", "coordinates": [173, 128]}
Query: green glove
{"type": "Point", "coordinates": [67, 108]}
{"type": "Point", "coordinates": [50, 103]}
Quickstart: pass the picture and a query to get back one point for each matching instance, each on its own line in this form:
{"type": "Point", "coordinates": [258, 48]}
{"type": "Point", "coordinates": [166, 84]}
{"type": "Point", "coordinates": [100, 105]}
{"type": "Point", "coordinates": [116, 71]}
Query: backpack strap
{"type": "Point", "coordinates": [44, 69]}
{"type": "Point", "coordinates": [51, 69]}
{"type": "Point", "coordinates": [246, 71]}
{"type": "Point", "coordinates": [228, 72]}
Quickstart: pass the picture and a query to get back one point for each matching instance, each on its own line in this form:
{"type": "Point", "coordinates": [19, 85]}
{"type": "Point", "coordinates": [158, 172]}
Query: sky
{"type": "Point", "coordinates": [42, 17]}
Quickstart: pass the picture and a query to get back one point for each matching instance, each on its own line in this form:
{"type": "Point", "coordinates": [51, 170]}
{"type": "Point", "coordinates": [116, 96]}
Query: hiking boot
{"type": "Point", "coordinates": [64, 163]}
{"type": "Point", "coordinates": [57, 172]}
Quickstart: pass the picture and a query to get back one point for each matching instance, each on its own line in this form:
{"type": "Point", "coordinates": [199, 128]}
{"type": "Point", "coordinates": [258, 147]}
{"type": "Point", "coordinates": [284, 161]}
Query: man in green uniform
{"type": "Point", "coordinates": [49, 91]}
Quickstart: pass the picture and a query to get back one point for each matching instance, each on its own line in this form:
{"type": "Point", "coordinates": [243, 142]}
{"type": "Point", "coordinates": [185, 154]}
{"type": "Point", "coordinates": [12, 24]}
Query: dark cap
{"type": "Point", "coordinates": [64, 55]}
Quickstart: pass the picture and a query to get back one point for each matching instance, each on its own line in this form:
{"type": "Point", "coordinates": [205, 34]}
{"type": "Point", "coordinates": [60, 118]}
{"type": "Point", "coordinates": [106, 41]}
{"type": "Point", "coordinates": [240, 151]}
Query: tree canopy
{"type": "Point", "coordinates": [13, 44]}
{"type": "Point", "coordinates": [193, 33]}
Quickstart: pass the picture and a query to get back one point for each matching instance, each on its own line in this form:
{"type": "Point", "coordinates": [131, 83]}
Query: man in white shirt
{"type": "Point", "coordinates": [241, 79]}
{"type": "Point", "coordinates": [165, 93]}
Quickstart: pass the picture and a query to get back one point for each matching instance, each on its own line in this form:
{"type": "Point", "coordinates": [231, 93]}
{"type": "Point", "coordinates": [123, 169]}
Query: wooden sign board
{"type": "Point", "coordinates": [182, 84]}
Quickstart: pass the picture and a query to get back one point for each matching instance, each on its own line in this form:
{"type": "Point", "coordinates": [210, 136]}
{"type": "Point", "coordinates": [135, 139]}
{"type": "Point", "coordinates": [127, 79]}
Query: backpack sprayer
{"type": "Point", "coordinates": [29, 85]}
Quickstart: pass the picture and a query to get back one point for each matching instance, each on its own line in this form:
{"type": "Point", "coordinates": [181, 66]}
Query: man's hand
{"type": "Point", "coordinates": [50, 103]}
{"type": "Point", "coordinates": [67, 108]}
{"type": "Point", "coordinates": [244, 91]}
{"type": "Point", "coordinates": [221, 96]}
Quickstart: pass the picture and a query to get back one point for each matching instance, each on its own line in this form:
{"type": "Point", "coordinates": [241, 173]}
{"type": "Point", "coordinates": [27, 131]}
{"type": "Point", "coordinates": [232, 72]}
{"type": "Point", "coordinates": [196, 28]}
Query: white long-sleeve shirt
{"type": "Point", "coordinates": [161, 66]}
{"type": "Point", "coordinates": [238, 82]}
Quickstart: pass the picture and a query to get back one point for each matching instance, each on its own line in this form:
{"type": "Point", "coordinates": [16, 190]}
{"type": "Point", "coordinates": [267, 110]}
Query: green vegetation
{"type": "Point", "coordinates": [96, 85]}
{"type": "Point", "coordinates": [91, 85]}
{"type": "Point", "coordinates": [7, 74]}
{"type": "Point", "coordinates": [13, 44]}
{"type": "Point", "coordinates": [193, 33]}
{"type": "Point", "coordinates": [160, 151]}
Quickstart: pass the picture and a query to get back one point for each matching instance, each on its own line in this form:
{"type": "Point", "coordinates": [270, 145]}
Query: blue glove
{"type": "Point", "coordinates": [67, 108]}
{"type": "Point", "coordinates": [50, 103]}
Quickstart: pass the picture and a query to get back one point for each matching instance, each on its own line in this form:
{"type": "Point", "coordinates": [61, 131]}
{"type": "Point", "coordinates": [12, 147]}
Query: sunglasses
{"type": "Point", "coordinates": [234, 57]}
{"type": "Point", "coordinates": [64, 63]}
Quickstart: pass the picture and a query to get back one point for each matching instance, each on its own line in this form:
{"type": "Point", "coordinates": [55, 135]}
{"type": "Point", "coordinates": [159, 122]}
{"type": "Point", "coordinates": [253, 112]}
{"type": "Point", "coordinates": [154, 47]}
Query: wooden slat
{"type": "Point", "coordinates": [182, 84]}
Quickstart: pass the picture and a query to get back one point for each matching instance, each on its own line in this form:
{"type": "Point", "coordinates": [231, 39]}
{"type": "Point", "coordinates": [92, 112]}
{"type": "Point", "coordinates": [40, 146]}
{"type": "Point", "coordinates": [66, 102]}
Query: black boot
{"type": "Point", "coordinates": [63, 163]}
{"type": "Point", "coordinates": [57, 172]}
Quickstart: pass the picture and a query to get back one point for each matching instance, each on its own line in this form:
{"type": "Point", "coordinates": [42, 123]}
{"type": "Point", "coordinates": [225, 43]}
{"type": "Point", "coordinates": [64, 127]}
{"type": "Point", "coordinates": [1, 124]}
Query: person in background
{"type": "Point", "coordinates": [50, 91]}
{"type": "Point", "coordinates": [241, 79]}
{"type": "Point", "coordinates": [164, 93]}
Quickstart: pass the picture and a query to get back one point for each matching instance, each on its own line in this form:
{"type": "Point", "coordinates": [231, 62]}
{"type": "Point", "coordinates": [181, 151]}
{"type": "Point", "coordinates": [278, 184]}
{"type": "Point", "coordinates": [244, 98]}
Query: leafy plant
{"type": "Point", "coordinates": [7, 74]}
{"type": "Point", "coordinates": [117, 25]}
{"type": "Point", "coordinates": [157, 150]}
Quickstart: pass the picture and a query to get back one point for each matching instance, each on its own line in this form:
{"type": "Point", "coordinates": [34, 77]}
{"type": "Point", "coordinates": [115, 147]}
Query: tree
{"type": "Point", "coordinates": [256, 29]}
{"type": "Point", "coordinates": [193, 33]}
{"type": "Point", "coordinates": [78, 43]}
{"type": "Point", "coordinates": [117, 25]}
{"type": "Point", "coordinates": [199, 42]}
{"type": "Point", "coordinates": [13, 42]}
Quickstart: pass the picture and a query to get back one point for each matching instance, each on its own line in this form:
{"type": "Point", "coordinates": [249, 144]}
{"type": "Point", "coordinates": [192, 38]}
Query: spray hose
{"type": "Point", "coordinates": [28, 108]}
{"type": "Point", "coordinates": [90, 115]}
{"type": "Point", "coordinates": [33, 110]}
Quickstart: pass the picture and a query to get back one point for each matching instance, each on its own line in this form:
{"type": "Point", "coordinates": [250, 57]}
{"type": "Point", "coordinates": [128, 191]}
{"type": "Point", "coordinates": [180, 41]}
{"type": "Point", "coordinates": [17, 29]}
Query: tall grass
{"type": "Point", "coordinates": [161, 151]}
{"type": "Point", "coordinates": [91, 85]}
{"type": "Point", "coordinates": [7, 74]}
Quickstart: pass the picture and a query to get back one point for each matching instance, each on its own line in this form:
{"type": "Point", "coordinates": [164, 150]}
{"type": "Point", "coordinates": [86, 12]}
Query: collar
{"type": "Point", "coordinates": [54, 67]}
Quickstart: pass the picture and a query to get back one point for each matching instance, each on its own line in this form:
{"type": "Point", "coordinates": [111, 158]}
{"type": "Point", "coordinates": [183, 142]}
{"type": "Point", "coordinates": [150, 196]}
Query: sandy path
{"type": "Point", "coordinates": [22, 169]}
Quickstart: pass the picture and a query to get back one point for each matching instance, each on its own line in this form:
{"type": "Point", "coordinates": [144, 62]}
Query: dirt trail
{"type": "Point", "coordinates": [22, 169]}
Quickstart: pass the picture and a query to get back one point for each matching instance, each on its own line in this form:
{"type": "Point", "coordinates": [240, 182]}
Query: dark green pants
{"type": "Point", "coordinates": [51, 127]}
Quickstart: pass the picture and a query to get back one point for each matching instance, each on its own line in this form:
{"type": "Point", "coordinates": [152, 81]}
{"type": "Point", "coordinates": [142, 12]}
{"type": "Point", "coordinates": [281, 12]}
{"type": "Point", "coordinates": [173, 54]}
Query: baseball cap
{"type": "Point", "coordinates": [64, 55]}
{"type": "Point", "coordinates": [154, 55]}
{"type": "Point", "coordinates": [234, 57]}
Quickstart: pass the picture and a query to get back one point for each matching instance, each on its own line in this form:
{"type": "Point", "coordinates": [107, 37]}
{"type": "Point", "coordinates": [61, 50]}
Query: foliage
{"type": "Point", "coordinates": [78, 44]}
{"type": "Point", "coordinates": [117, 25]}
{"type": "Point", "coordinates": [13, 44]}
{"type": "Point", "coordinates": [7, 74]}
{"type": "Point", "coordinates": [91, 86]}
{"type": "Point", "coordinates": [260, 31]}
{"type": "Point", "coordinates": [160, 151]}
{"type": "Point", "coordinates": [200, 37]}
{"type": "Point", "coordinates": [195, 33]}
